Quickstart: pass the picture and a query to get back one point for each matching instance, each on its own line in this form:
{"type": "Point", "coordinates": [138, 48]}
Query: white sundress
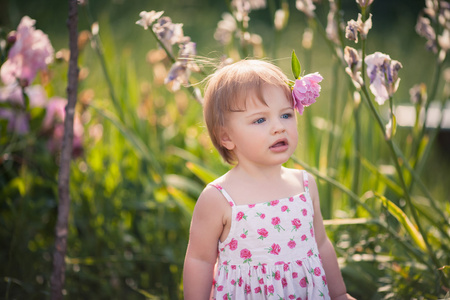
{"type": "Point", "coordinates": [271, 251]}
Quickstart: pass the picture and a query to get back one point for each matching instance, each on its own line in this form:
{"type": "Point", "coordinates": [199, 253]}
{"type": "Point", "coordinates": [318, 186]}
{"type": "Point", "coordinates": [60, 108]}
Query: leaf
{"type": "Point", "coordinates": [205, 175]}
{"type": "Point", "coordinates": [403, 219]}
{"type": "Point", "coordinates": [295, 64]}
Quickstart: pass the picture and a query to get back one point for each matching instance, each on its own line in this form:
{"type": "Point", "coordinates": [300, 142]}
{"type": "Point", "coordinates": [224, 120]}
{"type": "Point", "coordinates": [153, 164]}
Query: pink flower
{"type": "Point", "coordinates": [243, 236]}
{"type": "Point", "coordinates": [261, 281]}
{"type": "Point", "coordinates": [31, 52]}
{"type": "Point", "coordinates": [247, 289]}
{"type": "Point", "coordinates": [246, 255]}
{"type": "Point", "coordinates": [297, 223]}
{"type": "Point", "coordinates": [257, 290]}
{"type": "Point", "coordinates": [263, 233]}
{"type": "Point", "coordinates": [324, 279]}
{"type": "Point", "coordinates": [304, 212]}
{"type": "Point", "coordinates": [271, 289]}
{"type": "Point", "coordinates": [291, 297]}
{"type": "Point", "coordinates": [284, 282]}
{"type": "Point", "coordinates": [233, 244]}
{"type": "Point", "coordinates": [304, 238]}
{"type": "Point", "coordinates": [274, 202]}
{"type": "Point", "coordinates": [220, 288]}
{"type": "Point", "coordinates": [294, 275]}
{"type": "Point", "coordinates": [303, 198]}
{"type": "Point", "coordinates": [310, 253]}
{"type": "Point", "coordinates": [240, 215]}
{"type": "Point", "coordinates": [306, 90]}
{"type": "Point", "coordinates": [225, 297]}
{"type": "Point", "coordinates": [277, 275]}
{"type": "Point", "coordinates": [303, 282]}
{"type": "Point", "coordinates": [317, 271]}
{"type": "Point", "coordinates": [275, 221]}
{"type": "Point", "coordinates": [262, 216]}
{"type": "Point", "coordinates": [275, 249]}
{"type": "Point", "coordinates": [284, 208]}
{"type": "Point", "coordinates": [291, 244]}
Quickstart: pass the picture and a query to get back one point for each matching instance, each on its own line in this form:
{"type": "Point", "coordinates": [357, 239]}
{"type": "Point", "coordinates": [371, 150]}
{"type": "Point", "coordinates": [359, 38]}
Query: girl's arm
{"type": "Point", "coordinates": [335, 281]}
{"type": "Point", "coordinates": [206, 229]}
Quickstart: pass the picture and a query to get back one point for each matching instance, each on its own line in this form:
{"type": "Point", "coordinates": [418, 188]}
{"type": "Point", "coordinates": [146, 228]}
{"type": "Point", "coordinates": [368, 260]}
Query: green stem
{"type": "Point", "coordinates": [404, 187]}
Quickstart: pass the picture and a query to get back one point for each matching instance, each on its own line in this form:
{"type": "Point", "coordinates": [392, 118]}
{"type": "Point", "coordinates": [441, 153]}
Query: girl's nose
{"type": "Point", "coordinates": [278, 127]}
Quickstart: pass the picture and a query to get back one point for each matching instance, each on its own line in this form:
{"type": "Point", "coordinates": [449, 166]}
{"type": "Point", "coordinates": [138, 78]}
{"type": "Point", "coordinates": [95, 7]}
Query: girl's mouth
{"type": "Point", "coordinates": [280, 145]}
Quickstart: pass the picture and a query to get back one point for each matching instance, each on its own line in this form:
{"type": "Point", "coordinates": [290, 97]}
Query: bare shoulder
{"type": "Point", "coordinates": [211, 201]}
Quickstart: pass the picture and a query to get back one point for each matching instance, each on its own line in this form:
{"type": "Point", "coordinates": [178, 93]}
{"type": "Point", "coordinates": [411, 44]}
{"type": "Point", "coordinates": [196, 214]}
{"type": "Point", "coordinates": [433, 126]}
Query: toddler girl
{"type": "Point", "coordinates": [257, 232]}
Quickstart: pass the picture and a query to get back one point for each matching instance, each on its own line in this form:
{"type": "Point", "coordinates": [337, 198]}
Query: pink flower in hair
{"type": "Point", "coordinates": [305, 91]}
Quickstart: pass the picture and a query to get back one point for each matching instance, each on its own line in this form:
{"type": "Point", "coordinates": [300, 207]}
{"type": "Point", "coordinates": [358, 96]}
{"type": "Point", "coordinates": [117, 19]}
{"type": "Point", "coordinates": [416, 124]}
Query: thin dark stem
{"type": "Point", "coordinates": [59, 266]}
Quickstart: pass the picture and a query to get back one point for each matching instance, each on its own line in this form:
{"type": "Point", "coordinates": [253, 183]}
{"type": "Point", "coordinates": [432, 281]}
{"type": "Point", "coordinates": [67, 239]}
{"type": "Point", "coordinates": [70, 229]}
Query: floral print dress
{"type": "Point", "coordinates": [270, 252]}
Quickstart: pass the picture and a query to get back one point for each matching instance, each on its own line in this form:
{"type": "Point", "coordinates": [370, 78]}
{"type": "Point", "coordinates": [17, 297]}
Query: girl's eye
{"type": "Point", "coordinates": [286, 116]}
{"type": "Point", "coordinates": [259, 121]}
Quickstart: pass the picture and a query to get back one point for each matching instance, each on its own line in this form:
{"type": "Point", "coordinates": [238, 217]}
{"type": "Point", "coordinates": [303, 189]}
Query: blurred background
{"type": "Point", "coordinates": [145, 156]}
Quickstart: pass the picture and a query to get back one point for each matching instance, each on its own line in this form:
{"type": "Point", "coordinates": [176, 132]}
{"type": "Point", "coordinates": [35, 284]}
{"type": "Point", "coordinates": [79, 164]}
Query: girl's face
{"type": "Point", "coordinates": [262, 134]}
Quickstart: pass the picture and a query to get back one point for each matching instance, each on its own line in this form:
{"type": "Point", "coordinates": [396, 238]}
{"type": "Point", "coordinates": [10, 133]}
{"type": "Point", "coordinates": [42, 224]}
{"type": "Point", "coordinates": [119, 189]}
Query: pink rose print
{"type": "Point", "coordinates": [244, 235]}
{"type": "Point", "coordinates": [263, 233]}
{"type": "Point", "coordinates": [305, 181]}
{"type": "Point", "coordinates": [233, 267]}
{"type": "Point", "coordinates": [271, 289]}
{"type": "Point", "coordinates": [311, 230]}
{"type": "Point", "coordinates": [291, 296]}
{"type": "Point", "coordinates": [276, 275]}
{"type": "Point", "coordinates": [303, 198]}
{"type": "Point", "coordinates": [276, 224]}
{"type": "Point", "coordinates": [261, 281]}
{"type": "Point", "coordinates": [317, 271]}
{"type": "Point", "coordinates": [275, 249]}
{"type": "Point", "coordinates": [303, 282]}
{"type": "Point", "coordinates": [251, 205]}
{"type": "Point", "coordinates": [261, 215]}
{"type": "Point", "coordinates": [292, 244]}
{"type": "Point", "coordinates": [220, 288]}
{"type": "Point", "coordinates": [231, 203]}
{"type": "Point", "coordinates": [304, 238]}
{"type": "Point", "coordinates": [304, 212]}
{"type": "Point", "coordinates": [294, 275]}
{"type": "Point", "coordinates": [286, 267]}
{"type": "Point", "coordinates": [291, 199]}
{"type": "Point", "coordinates": [240, 281]}
{"type": "Point", "coordinates": [233, 244]}
{"type": "Point", "coordinates": [284, 282]}
{"type": "Point", "coordinates": [247, 289]}
{"type": "Point", "coordinates": [297, 223]}
{"type": "Point", "coordinates": [258, 290]}
{"type": "Point", "coordinates": [240, 215]}
{"type": "Point", "coordinates": [226, 296]}
{"type": "Point", "coordinates": [324, 279]}
{"type": "Point", "coordinates": [217, 186]}
{"type": "Point", "coordinates": [263, 269]}
{"type": "Point", "coordinates": [285, 208]}
{"type": "Point", "coordinates": [299, 262]}
{"type": "Point", "coordinates": [233, 282]}
{"type": "Point", "coordinates": [274, 202]}
{"type": "Point", "coordinates": [246, 255]}
{"type": "Point", "coordinates": [310, 253]}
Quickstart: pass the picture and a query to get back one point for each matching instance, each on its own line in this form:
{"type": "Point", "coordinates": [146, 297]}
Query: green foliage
{"type": "Point", "coordinates": [147, 157]}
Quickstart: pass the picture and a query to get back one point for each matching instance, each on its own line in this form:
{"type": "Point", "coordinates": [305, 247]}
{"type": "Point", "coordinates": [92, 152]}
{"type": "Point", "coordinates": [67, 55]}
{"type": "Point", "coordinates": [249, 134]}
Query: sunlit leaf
{"type": "Point", "coordinates": [295, 64]}
{"type": "Point", "coordinates": [403, 219]}
{"type": "Point", "coordinates": [205, 175]}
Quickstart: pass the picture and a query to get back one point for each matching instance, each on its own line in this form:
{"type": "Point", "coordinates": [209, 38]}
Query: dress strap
{"type": "Point", "coordinates": [224, 193]}
{"type": "Point", "coordinates": [305, 181]}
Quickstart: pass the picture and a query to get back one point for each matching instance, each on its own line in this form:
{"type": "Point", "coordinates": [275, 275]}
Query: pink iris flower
{"type": "Point", "coordinates": [31, 52]}
{"type": "Point", "coordinates": [306, 90]}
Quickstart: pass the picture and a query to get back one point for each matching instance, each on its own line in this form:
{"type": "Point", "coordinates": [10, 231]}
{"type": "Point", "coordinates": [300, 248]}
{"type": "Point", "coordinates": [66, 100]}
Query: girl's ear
{"type": "Point", "coordinates": [225, 139]}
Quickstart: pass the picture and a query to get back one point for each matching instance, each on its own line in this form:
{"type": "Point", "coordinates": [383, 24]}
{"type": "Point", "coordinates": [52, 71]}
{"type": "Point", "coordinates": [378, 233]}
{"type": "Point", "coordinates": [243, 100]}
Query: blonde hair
{"type": "Point", "coordinates": [228, 89]}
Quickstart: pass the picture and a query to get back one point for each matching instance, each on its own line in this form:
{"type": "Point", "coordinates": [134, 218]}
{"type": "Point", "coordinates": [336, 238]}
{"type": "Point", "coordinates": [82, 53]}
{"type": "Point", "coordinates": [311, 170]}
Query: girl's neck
{"type": "Point", "coordinates": [258, 175]}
